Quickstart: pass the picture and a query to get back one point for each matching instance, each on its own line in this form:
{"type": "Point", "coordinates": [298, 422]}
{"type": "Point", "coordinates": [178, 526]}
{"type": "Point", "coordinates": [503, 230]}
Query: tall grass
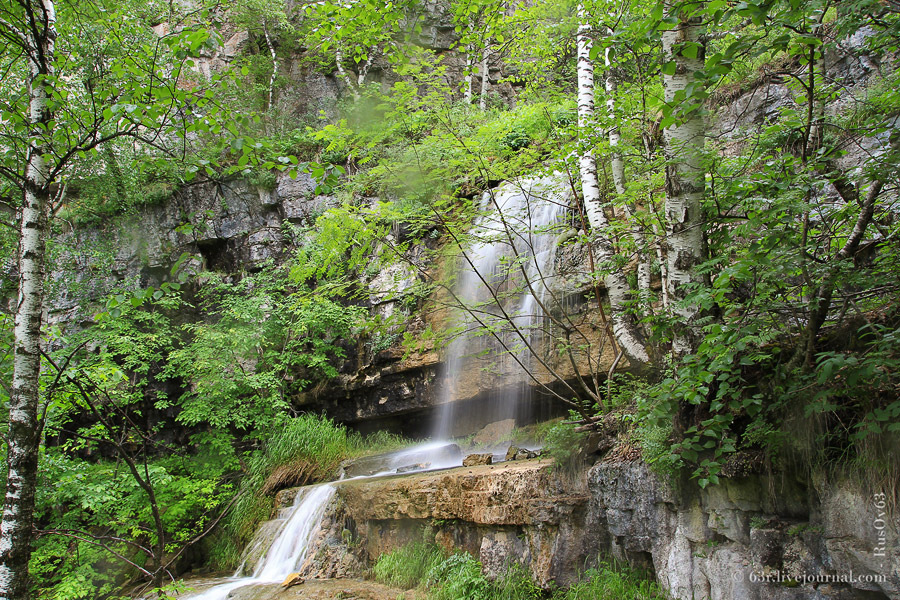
{"type": "Point", "coordinates": [612, 582]}
{"type": "Point", "coordinates": [459, 577]}
{"type": "Point", "coordinates": [407, 566]}
{"type": "Point", "coordinates": [299, 451]}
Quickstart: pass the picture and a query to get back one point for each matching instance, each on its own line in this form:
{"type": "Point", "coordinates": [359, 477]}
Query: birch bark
{"type": "Point", "coordinates": [617, 166]}
{"type": "Point", "coordinates": [627, 334]}
{"type": "Point", "coordinates": [23, 436]}
{"type": "Point", "coordinates": [274, 75]}
{"type": "Point", "coordinates": [485, 77]}
{"type": "Point", "coordinates": [467, 82]}
{"type": "Point", "coordinates": [683, 46]}
{"type": "Point", "coordinates": [342, 72]}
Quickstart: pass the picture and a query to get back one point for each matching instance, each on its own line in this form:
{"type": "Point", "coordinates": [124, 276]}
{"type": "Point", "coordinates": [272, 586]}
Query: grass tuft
{"type": "Point", "coordinates": [407, 566]}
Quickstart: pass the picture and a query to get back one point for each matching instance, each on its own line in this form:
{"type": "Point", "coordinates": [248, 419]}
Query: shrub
{"type": "Point", "coordinates": [565, 445]}
{"type": "Point", "coordinates": [459, 576]}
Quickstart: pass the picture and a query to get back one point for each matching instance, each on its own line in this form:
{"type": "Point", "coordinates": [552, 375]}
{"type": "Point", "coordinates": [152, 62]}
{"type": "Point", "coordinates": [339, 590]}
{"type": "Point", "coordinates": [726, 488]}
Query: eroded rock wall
{"type": "Point", "coordinates": [751, 538]}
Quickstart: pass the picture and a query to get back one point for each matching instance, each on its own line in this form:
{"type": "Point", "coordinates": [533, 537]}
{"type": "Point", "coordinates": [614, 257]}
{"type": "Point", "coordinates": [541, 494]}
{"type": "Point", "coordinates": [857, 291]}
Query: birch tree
{"type": "Point", "coordinates": [625, 329]}
{"type": "Point", "coordinates": [37, 41]}
{"type": "Point", "coordinates": [684, 134]}
{"type": "Point", "coordinates": [269, 19]}
{"type": "Point", "coordinates": [617, 167]}
{"type": "Point", "coordinates": [361, 31]}
{"type": "Point", "coordinates": [478, 26]}
{"type": "Point", "coordinates": [58, 117]}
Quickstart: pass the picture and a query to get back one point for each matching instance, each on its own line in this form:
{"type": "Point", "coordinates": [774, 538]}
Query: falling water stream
{"type": "Point", "coordinates": [502, 287]}
{"type": "Point", "coordinates": [288, 549]}
{"type": "Point", "coordinates": [302, 521]}
{"type": "Point", "coordinates": [503, 284]}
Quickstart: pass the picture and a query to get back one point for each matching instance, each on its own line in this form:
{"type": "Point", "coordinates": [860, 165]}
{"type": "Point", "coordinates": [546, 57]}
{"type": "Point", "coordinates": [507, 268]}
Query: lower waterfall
{"type": "Point", "coordinates": [289, 548]}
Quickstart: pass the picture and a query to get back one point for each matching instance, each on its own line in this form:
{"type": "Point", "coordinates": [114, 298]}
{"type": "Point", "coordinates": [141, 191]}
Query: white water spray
{"type": "Point", "coordinates": [504, 285]}
{"type": "Point", "coordinates": [289, 549]}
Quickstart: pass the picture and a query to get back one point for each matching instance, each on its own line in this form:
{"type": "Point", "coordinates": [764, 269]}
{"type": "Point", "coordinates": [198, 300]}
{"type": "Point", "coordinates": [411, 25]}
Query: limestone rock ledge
{"type": "Point", "coordinates": [518, 512]}
{"type": "Point", "coordinates": [751, 538]}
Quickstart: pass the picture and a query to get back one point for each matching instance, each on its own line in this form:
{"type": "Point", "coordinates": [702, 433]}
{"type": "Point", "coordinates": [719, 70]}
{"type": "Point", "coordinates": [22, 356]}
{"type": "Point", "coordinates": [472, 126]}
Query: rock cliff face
{"type": "Point", "coordinates": [750, 538]}
{"type": "Point", "coordinates": [235, 226]}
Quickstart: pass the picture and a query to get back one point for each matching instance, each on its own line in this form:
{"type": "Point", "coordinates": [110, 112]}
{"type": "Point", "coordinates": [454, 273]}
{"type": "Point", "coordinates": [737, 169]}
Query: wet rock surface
{"type": "Point", "coordinates": [473, 460]}
{"type": "Point", "coordinates": [321, 589]}
{"type": "Point", "coordinates": [748, 538]}
{"type": "Point", "coordinates": [432, 456]}
{"type": "Point", "coordinates": [516, 453]}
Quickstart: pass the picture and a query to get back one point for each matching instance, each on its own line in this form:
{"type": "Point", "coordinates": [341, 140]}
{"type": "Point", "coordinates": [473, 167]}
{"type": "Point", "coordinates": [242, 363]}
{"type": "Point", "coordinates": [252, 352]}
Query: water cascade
{"type": "Point", "coordinates": [504, 284]}
{"type": "Point", "coordinates": [503, 289]}
{"type": "Point", "coordinates": [299, 525]}
{"type": "Point", "coordinates": [289, 548]}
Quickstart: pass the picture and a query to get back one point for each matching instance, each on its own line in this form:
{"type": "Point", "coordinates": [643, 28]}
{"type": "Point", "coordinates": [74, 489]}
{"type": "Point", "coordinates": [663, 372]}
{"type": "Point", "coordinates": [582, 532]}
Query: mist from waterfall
{"type": "Point", "coordinates": [503, 289]}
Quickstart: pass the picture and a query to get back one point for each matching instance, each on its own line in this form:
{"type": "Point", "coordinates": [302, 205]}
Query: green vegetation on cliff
{"type": "Point", "coordinates": [457, 575]}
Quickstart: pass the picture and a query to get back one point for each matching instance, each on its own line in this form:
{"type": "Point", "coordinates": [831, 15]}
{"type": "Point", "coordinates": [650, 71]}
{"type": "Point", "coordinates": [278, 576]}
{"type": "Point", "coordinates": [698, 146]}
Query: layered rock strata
{"type": "Point", "coordinates": [751, 538]}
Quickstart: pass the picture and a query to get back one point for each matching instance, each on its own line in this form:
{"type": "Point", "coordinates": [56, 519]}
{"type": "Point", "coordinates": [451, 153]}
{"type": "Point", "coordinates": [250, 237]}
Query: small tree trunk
{"type": "Point", "coordinates": [364, 69]}
{"type": "Point", "coordinates": [485, 77]}
{"type": "Point", "coordinates": [685, 178]}
{"type": "Point", "coordinates": [23, 436]}
{"type": "Point", "coordinates": [342, 73]}
{"type": "Point", "coordinates": [467, 82]}
{"type": "Point", "coordinates": [624, 328]}
{"type": "Point", "coordinates": [271, 47]}
{"type": "Point", "coordinates": [617, 165]}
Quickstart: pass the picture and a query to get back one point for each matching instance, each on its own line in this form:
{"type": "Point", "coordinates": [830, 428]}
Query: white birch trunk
{"type": "Point", "coordinates": [617, 166]}
{"type": "Point", "coordinates": [23, 435]}
{"type": "Point", "coordinates": [485, 77]}
{"type": "Point", "coordinates": [627, 335]}
{"type": "Point", "coordinates": [271, 47]}
{"type": "Point", "coordinates": [685, 181]}
{"type": "Point", "coordinates": [364, 69]}
{"type": "Point", "coordinates": [467, 82]}
{"type": "Point", "coordinates": [342, 73]}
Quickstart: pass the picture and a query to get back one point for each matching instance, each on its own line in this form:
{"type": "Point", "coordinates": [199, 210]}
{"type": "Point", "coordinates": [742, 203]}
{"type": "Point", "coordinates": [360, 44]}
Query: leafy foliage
{"type": "Point", "coordinates": [270, 339]}
{"type": "Point", "coordinates": [608, 581]}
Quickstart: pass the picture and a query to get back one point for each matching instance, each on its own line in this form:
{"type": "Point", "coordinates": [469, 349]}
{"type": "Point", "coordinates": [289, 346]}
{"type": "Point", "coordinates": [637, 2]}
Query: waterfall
{"type": "Point", "coordinates": [290, 546]}
{"type": "Point", "coordinates": [287, 551]}
{"type": "Point", "coordinates": [504, 286]}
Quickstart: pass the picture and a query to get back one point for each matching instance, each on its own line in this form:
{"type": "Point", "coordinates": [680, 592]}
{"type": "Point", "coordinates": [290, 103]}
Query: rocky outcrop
{"type": "Point", "coordinates": [520, 512]}
{"type": "Point", "coordinates": [751, 538]}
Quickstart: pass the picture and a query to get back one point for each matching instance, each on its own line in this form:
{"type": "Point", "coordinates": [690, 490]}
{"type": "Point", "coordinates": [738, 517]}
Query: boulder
{"type": "Point", "coordinates": [292, 580]}
{"type": "Point", "coordinates": [516, 453]}
{"type": "Point", "coordinates": [494, 433]}
{"type": "Point", "coordinates": [478, 459]}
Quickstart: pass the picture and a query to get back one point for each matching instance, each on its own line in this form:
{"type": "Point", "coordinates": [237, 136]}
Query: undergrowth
{"type": "Point", "coordinates": [407, 566]}
{"type": "Point", "coordinates": [612, 582]}
{"type": "Point", "coordinates": [459, 576]}
{"type": "Point", "coordinates": [300, 451]}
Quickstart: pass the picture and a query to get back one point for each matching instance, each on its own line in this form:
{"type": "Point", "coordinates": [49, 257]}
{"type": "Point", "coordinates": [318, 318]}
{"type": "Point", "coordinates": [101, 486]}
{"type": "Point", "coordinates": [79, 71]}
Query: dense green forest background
{"type": "Point", "coordinates": [759, 253]}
